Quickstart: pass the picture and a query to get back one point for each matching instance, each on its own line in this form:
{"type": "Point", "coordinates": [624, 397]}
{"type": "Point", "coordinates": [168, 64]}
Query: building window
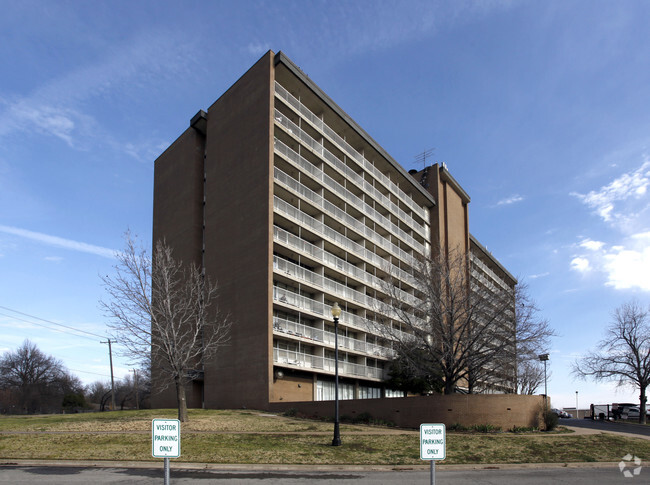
{"type": "Point", "coordinates": [325, 391]}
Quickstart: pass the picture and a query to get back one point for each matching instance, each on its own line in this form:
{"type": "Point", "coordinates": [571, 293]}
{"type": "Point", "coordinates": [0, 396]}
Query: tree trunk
{"type": "Point", "coordinates": [182, 403]}
{"type": "Point", "coordinates": [449, 386]}
{"type": "Point", "coordinates": [642, 408]}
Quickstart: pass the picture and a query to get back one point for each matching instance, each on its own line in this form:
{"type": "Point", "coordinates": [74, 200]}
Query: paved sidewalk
{"type": "Point", "coordinates": [590, 431]}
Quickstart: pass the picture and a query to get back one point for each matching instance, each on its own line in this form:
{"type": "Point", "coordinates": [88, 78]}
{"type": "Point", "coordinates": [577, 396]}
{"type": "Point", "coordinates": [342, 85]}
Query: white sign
{"type": "Point", "coordinates": [165, 438]}
{"type": "Point", "coordinates": [432, 442]}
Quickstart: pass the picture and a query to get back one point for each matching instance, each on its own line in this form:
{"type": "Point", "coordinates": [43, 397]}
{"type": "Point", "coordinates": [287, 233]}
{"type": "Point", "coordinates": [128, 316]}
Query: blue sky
{"type": "Point", "coordinates": [540, 110]}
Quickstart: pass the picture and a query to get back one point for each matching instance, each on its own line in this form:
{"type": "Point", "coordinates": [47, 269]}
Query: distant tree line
{"type": "Point", "coordinates": [32, 382]}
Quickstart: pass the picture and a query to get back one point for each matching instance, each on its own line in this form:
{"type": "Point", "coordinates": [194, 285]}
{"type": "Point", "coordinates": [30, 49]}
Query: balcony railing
{"type": "Point", "coordinates": [323, 283]}
{"type": "Point", "coordinates": [307, 304]}
{"type": "Point", "coordinates": [327, 259]}
{"type": "Point", "coordinates": [317, 174]}
{"type": "Point", "coordinates": [329, 234]}
{"type": "Point", "coordinates": [353, 176]}
{"type": "Point", "coordinates": [292, 358]}
{"type": "Point", "coordinates": [489, 272]}
{"type": "Point", "coordinates": [318, 201]}
{"type": "Point", "coordinates": [283, 326]}
{"type": "Point", "coordinates": [345, 146]}
{"type": "Point", "coordinates": [321, 310]}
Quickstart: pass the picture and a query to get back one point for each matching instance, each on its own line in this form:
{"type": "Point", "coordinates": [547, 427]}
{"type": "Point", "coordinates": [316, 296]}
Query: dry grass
{"type": "Point", "coordinates": [253, 437]}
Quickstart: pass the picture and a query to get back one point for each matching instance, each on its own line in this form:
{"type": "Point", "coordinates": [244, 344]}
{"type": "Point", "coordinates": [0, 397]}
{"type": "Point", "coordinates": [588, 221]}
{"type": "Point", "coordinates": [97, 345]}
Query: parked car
{"type": "Point", "coordinates": [633, 412]}
{"type": "Point", "coordinates": [560, 413]}
{"type": "Point", "coordinates": [618, 409]}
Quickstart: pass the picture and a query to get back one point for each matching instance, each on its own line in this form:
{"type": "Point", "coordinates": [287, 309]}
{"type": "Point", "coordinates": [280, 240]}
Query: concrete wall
{"type": "Point", "coordinates": [502, 410]}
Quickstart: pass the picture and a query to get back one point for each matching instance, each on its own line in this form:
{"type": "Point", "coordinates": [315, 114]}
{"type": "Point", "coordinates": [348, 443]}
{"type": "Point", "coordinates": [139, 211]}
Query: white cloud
{"type": "Point", "coordinates": [513, 199]}
{"type": "Point", "coordinates": [592, 245]}
{"type": "Point", "coordinates": [58, 107]}
{"type": "Point", "coordinates": [623, 198]}
{"type": "Point", "coordinates": [59, 242]}
{"type": "Point", "coordinates": [624, 204]}
{"type": "Point", "coordinates": [626, 266]}
{"type": "Point", "coordinates": [580, 264]}
{"type": "Point", "coordinates": [540, 275]}
{"type": "Point", "coordinates": [257, 48]}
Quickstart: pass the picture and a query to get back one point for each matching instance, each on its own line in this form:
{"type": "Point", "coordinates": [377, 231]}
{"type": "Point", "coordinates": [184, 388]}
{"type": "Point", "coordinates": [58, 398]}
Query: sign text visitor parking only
{"type": "Point", "coordinates": [165, 438]}
{"type": "Point", "coordinates": [432, 442]}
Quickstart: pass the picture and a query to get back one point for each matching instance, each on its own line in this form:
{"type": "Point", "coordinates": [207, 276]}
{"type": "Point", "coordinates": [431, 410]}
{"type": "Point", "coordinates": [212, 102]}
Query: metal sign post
{"type": "Point", "coordinates": [433, 445]}
{"type": "Point", "coordinates": [166, 441]}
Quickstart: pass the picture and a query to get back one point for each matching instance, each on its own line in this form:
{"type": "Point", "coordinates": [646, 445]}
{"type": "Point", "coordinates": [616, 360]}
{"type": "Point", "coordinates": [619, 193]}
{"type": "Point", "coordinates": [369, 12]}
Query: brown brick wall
{"type": "Point", "coordinates": [238, 236]}
{"type": "Point", "coordinates": [178, 219]}
{"type": "Point", "coordinates": [502, 410]}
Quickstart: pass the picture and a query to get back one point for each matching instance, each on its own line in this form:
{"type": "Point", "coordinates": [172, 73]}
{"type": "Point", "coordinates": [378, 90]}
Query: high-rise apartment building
{"type": "Point", "coordinates": [291, 206]}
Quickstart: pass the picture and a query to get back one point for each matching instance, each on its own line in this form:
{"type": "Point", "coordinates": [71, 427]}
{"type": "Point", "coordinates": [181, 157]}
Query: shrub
{"type": "Point", "coordinates": [457, 427]}
{"type": "Point", "coordinates": [291, 413]}
{"type": "Point", "coordinates": [550, 420]}
{"type": "Point", "coordinates": [485, 428]}
{"type": "Point", "coordinates": [523, 429]}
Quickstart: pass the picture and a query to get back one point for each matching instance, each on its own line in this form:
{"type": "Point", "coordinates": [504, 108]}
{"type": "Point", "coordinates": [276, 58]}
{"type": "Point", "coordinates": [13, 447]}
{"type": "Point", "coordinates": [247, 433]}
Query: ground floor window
{"type": "Point", "coordinates": [393, 393]}
{"type": "Point", "coordinates": [367, 392]}
{"type": "Point", "coordinates": [325, 391]}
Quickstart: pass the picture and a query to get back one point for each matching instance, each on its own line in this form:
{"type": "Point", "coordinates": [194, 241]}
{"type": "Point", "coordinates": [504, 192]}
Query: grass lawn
{"type": "Point", "coordinates": [243, 436]}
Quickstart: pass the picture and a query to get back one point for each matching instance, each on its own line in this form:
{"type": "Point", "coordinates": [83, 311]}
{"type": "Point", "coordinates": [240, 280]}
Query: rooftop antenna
{"type": "Point", "coordinates": [422, 157]}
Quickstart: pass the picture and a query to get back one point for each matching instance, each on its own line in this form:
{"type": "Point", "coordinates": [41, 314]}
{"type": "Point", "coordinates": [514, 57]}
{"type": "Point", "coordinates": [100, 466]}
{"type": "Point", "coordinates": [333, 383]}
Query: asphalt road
{"type": "Point", "coordinates": [621, 427]}
{"type": "Point", "coordinates": [502, 476]}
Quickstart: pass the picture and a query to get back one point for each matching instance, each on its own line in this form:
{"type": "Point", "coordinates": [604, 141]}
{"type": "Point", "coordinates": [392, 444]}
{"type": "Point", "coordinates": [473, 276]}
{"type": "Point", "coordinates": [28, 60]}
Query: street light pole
{"type": "Point", "coordinates": [577, 405]}
{"type": "Point", "coordinates": [544, 358]}
{"type": "Point", "coordinates": [336, 313]}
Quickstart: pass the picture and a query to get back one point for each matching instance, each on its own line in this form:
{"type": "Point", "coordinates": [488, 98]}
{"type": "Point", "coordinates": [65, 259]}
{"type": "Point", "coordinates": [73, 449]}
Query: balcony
{"type": "Point", "coordinates": [330, 209]}
{"type": "Point", "coordinates": [319, 176]}
{"type": "Point", "coordinates": [294, 329]}
{"type": "Point", "coordinates": [354, 177]}
{"type": "Point", "coordinates": [291, 358]}
{"type": "Point", "coordinates": [319, 255]}
{"type": "Point", "coordinates": [316, 308]}
{"type": "Point", "coordinates": [296, 215]}
{"type": "Point", "coordinates": [317, 123]}
{"type": "Point", "coordinates": [324, 284]}
{"type": "Point", "coordinates": [303, 304]}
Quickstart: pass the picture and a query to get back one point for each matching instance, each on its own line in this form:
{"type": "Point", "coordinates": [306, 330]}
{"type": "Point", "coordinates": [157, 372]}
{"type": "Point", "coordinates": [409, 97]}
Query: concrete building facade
{"type": "Point", "coordinates": [290, 206]}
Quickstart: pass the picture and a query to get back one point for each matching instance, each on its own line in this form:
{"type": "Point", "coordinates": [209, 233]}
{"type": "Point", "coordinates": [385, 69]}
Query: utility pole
{"type": "Point", "coordinates": [110, 356]}
{"type": "Point", "coordinates": [135, 382]}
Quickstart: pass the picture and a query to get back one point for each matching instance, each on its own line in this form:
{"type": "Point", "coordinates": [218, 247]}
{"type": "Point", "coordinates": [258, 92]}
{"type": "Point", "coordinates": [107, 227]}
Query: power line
{"type": "Point", "coordinates": [45, 326]}
{"type": "Point", "coordinates": [87, 372]}
{"type": "Point", "coordinates": [47, 321]}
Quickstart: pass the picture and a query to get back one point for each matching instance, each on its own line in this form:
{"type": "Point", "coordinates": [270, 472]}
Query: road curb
{"type": "Point", "coordinates": [277, 467]}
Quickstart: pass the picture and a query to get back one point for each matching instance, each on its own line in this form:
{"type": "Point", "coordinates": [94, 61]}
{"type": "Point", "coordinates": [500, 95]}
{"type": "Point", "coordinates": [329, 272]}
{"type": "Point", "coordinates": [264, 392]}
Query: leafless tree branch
{"type": "Point", "coordinates": [165, 311]}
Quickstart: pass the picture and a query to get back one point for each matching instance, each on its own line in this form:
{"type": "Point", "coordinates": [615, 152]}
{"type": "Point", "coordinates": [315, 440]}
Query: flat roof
{"type": "Point", "coordinates": [489, 255]}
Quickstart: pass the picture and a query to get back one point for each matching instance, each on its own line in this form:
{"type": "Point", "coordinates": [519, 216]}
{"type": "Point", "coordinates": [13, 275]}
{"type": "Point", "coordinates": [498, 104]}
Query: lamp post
{"type": "Point", "coordinates": [577, 416]}
{"type": "Point", "coordinates": [544, 358]}
{"type": "Point", "coordinates": [336, 313]}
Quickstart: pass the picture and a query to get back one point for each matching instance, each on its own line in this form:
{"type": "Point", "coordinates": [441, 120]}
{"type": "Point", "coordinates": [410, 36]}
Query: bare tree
{"type": "Point", "coordinates": [463, 326]}
{"type": "Point", "coordinates": [164, 310]}
{"type": "Point", "coordinates": [533, 336]}
{"type": "Point", "coordinates": [530, 375]}
{"type": "Point", "coordinates": [37, 382]}
{"type": "Point", "coordinates": [99, 393]}
{"type": "Point", "coordinates": [624, 354]}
